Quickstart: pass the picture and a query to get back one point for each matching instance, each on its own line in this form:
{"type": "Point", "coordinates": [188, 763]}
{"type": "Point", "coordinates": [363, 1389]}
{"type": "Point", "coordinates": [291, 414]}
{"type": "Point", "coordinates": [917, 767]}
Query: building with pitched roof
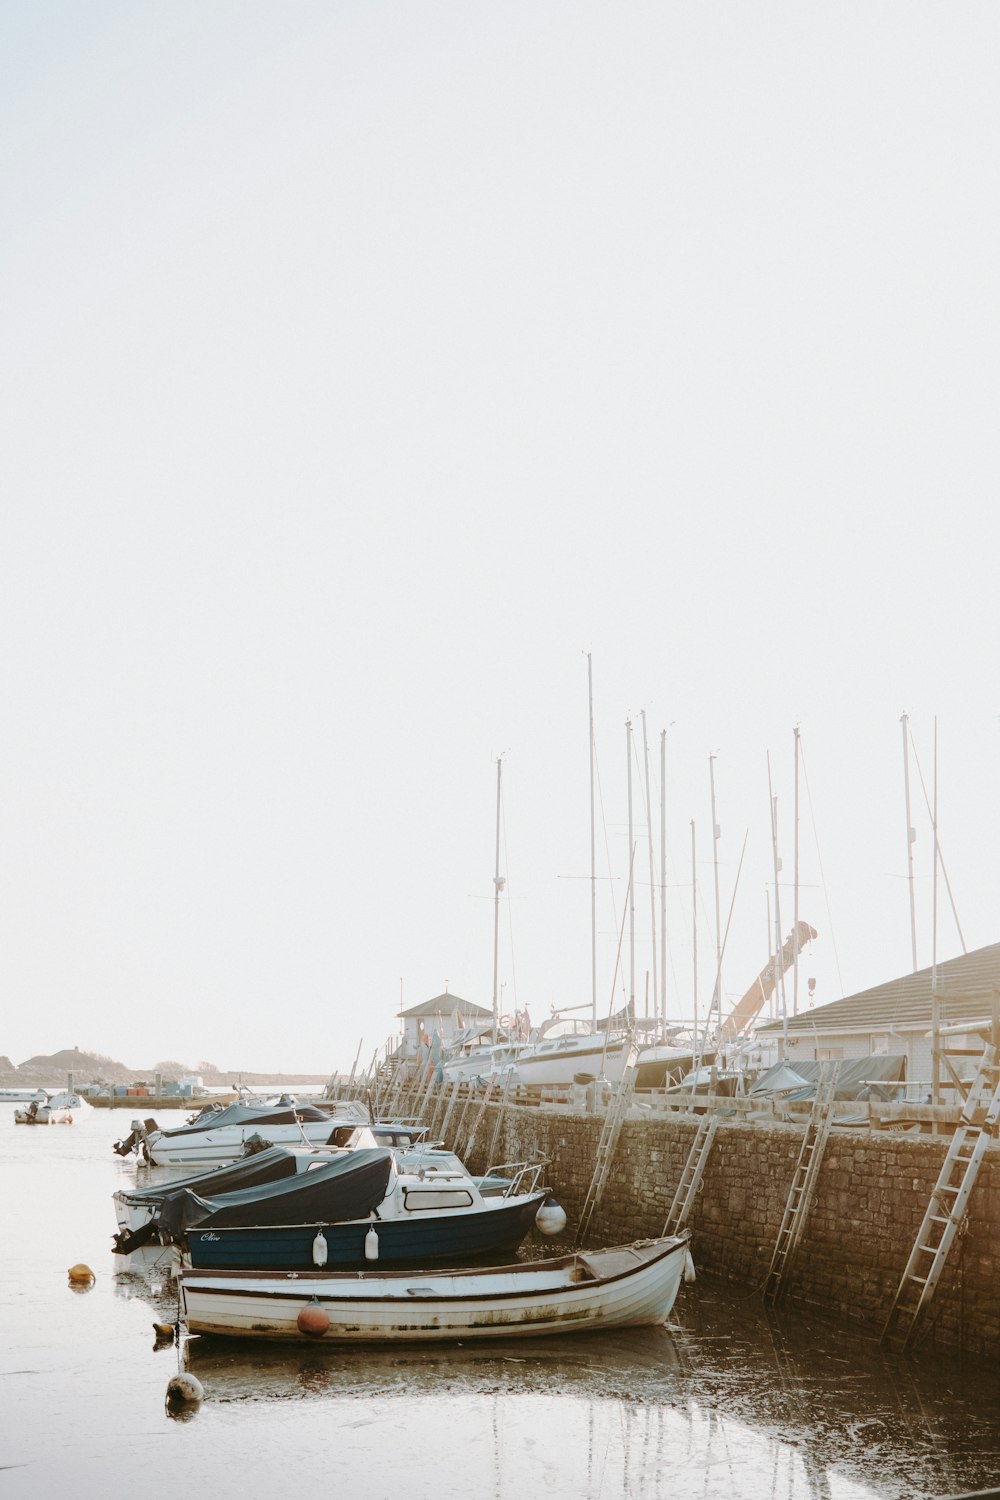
{"type": "Point", "coordinates": [898, 1016]}
{"type": "Point", "coordinates": [446, 1016]}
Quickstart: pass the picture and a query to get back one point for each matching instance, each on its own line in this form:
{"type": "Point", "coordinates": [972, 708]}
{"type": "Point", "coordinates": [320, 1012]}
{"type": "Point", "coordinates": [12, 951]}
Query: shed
{"type": "Point", "coordinates": [445, 1016]}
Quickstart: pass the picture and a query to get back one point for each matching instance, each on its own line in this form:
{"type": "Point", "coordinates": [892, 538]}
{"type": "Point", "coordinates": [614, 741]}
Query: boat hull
{"type": "Point", "coordinates": [556, 1068]}
{"type": "Point", "coordinates": [622, 1287]}
{"type": "Point", "coordinates": [209, 1148]}
{"type": "Point", "coordinates": [57, 1110]}
{"type": "Point", "coordinates": [494, 1230]}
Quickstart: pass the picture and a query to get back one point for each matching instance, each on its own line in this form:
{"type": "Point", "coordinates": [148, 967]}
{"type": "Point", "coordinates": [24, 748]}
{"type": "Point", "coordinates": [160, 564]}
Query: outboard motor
{"type": "Point", "coordinates": [255, 1144]}
{"type": "Point", "coordinates": [127, 1240]}
{"type": "Point", "coordinates": [140, 1130]}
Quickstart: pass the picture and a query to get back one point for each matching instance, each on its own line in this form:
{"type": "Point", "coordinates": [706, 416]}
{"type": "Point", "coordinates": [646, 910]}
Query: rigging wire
{"type": "Point", "coordinates": [822, 872]}
{"type": "Point", "coordinates": [940, 855]}
{"type": "Point", "coordinates": [722, 954]}
{"type": "Point", "coordinates": [607, 853]}
{"type": "Point", "coordinates": [510, 909]}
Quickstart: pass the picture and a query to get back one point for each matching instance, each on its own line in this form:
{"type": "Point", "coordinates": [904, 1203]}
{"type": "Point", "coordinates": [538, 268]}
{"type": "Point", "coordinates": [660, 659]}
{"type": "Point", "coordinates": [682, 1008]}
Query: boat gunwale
{"type": "Point", "coordinates": [334, 1279]}
{"type": "Point", "coordinates": [488, 1207]}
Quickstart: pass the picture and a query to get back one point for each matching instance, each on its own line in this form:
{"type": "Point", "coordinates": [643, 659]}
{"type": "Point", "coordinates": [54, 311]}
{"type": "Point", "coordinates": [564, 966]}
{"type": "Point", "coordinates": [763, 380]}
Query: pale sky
{"type": "Point", "coordinates": [365, 365]}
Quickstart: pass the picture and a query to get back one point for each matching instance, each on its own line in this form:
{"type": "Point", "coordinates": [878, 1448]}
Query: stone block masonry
{"type": "Point", "coordinates": [871, 1195]}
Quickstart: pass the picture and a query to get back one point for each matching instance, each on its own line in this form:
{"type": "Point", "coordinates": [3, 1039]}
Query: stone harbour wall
{"type": "Point", "coordinates": [871, 1195]}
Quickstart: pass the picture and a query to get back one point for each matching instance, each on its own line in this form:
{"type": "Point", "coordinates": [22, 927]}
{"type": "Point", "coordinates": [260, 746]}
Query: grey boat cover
{"type": "Point", "coordinates": [266, 1166]}
{"type": "Point", "coordinates": [856, 1078]}
{"type": "Point", "coordinates": [245, 1114]}
{"type": "Point", "coordinates": [347, 1188]}
{"type": "Point", "coordinates": [780, 1080]}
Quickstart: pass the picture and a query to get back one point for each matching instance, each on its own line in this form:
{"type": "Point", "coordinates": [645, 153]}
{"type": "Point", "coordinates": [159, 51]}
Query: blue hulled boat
{"type": "Point", "coordinates": [460, 1232]}
{"type": "Point", "coordinates": [345, 1209]}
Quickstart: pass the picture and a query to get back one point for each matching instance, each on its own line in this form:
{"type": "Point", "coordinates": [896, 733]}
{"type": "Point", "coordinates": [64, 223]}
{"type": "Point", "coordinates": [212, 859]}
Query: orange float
{"type": "Point", "coordinates": [313, 1321]}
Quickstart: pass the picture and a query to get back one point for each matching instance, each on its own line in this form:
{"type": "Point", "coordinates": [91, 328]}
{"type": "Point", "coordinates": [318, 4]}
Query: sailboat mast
{"type": "Point", "coordinates": [631, 889]}
{"type": "Point", "coordinates": [694, 923]}
{"type": "Point", "coordinates": [911, 834]}
{"type": "Point", "coordinates": [497, 886]}
{"type": "Point", "coordinates": [777, 911]}
{"type": "Point", "coordinates": [770, 952]}
{"type": "Point", "coordinates": [936, 860]}
{"type": "Point", "coordinates": [716, 831]}
{"type": "Point", "coordinates": [795, 902]}
{"type": "Point", "coordinates": [652, 877]}
{"type": "Point", "coordinates": [663, 878]}
{"type": "Point", "coordinates": [593, 856]}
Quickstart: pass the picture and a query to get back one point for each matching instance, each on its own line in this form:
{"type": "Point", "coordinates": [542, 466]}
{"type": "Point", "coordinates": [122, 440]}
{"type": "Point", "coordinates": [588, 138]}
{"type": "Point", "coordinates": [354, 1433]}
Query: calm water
{"type": "Point", "coordinates": [724, 1402]}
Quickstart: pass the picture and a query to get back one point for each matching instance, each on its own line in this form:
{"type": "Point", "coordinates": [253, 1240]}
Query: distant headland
{"type": "Point", "coordinates": [47, 1069]}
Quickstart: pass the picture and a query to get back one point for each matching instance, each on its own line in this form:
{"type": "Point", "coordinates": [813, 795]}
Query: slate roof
{"type": "Point", "coordinates": [965, 987]}
{"type": "Point", "coordinates": [445, 1005]}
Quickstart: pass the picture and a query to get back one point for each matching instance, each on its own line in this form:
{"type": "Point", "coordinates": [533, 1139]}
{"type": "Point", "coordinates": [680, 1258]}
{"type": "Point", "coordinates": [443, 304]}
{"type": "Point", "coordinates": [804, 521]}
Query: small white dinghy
{"type": "Point", "coordinates": [614, 1288]}
{"type": "Point", "coordinates": [52, 1109]}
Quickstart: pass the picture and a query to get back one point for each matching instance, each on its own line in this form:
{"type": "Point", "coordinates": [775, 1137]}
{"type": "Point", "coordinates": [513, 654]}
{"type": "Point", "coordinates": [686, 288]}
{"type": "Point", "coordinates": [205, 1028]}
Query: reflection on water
{"type": "Point", "coordinates": [728, 1400]}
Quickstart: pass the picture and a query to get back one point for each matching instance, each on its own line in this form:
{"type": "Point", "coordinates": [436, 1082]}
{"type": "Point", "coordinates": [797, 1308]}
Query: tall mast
{"type": "Point", "coordinates": [631, 891]}
{"type": "Point", "coordinates": [652, 877]}
{"type": "Point", "coordinates": [716, 832]}
{"type": "Point", "coordinates": [771, 957]}
{"type": "Point", "coordinates": [777, 909]}
{"type": "Point", "coordinates": [593, 859]}
{"type": "Point", "coordinates": [694, 923]}
{"type": "Point", "coordinates": [663, 878]}
{"type": "Point", "coordinates": [497, 888]}
{"type": "Point", "coordinates": [936, 860]}
{"type": "Point", "coordinates": [795, 904]}
{"type": "Point", "coordinates": [911, 834]}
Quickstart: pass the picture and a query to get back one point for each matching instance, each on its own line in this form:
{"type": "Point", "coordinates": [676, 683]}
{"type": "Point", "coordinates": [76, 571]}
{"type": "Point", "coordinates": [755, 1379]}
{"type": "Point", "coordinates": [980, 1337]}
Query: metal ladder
{"type": "Point", "coordinates": [508, 1085]}
{"type": "Point", "coordinates": [690, 1182]}
{"type": "Point", "coordinates": [487, 1098]}
{"type": "Point", "coordinates": [946, 1209]}
{"type": "Point", "coordinates": [803, 1186]}
{"type": "Point", "coordinates": [618, 1110]}
{"type": "Point", "coordinates": [449, 1110]}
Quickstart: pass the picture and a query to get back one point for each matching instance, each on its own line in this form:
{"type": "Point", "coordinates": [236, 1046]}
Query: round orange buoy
{"type": "Point", "coordinates": [80, 1272]}
{"type": "Point", "coordinates": [312, 1321]}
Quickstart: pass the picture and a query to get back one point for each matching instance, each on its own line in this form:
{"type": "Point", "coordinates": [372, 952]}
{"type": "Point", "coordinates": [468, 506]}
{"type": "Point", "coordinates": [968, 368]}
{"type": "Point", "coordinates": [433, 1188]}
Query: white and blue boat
{"type": "Point", "coordinates": [421, 1218]}
{"type": "Point", "coordinates": [345, 1209]}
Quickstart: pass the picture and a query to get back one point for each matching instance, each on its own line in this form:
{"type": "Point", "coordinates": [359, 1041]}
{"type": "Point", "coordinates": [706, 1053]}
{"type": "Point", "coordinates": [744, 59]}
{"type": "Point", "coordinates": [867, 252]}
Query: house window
{"type": "Point", "coordinates": [829, 1054]}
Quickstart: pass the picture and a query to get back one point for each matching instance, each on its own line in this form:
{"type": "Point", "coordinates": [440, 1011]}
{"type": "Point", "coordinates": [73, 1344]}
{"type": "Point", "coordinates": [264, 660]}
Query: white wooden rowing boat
{"type": "Point", "coordinates": [614, 1288]}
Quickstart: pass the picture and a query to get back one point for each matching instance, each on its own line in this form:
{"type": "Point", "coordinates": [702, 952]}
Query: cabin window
{"type": "Point", "coordinates": [417, 1198]}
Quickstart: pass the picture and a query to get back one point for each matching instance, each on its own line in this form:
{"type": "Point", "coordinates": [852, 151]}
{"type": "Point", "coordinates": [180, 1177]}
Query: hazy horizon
{"type": "Point", "coordinates": [364, 367]}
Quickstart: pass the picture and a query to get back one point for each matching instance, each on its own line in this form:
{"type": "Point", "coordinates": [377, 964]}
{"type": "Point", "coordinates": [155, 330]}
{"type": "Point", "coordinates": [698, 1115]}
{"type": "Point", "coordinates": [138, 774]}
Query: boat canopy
{"type": "Point", "coordinates": [246, 1114]}
{"type": "Point", "coordinates": [877, 1077]}
{"type": "Point", "coordinates": [348, 1187]}
{"type": "Point", "coordinates": [780, 1080]}
{"type": "Point", "coordinates": [264, 1166]}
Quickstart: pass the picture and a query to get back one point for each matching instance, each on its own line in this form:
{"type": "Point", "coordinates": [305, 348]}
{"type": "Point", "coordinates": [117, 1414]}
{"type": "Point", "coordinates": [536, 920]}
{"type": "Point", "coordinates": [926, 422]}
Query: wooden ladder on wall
{"type": "Point", "coordinates": [690, 1182]}
{"type": "Point", "coordinates": [618, 1109]}
{"type": "Point", "coordinates": [804, 1180]}
{"type": "Point", "coordinates": [946, 1209]}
